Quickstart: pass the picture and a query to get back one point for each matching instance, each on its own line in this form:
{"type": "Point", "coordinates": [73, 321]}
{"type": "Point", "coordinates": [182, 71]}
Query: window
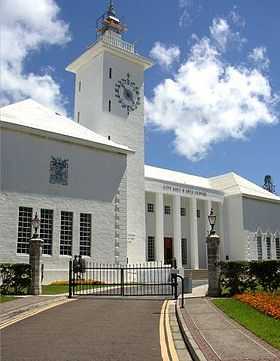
{"type": "Point", "coordinates": [198, 213]}
{"type": "Point", "coordinates": [24, 229]}
{"type": "Point", "coordinates": [167, 210]}
{"type": "Point", "coordinates": [259, 247]}
{"type": "Point", "coordinates": [46, 230]}
{"type": "Point", "coordinates": [183, 212]}
{"type": "Point", "coordinates": [85, 234]}
{"type": "Point", "coordinates": [277, 246]}
{"type": "Point", "coordinates": [151, 249]}
{"type": "Point", "coordinates": [78, 117]}
{"type": "Point", "coordinates": [110, 73]}
{"type": "Point", "coordinates": [268, 247]}
{"type": "Point", "coordinates": [110, 106]}
{"type": "Point", "coordinates": [184, 246]}
{"type": "Point", "coordinates": [150, 207]}
{"type": "Point", "coordinates": [80, 85]}
{"type": "Point", "coordinates": [66, 233]}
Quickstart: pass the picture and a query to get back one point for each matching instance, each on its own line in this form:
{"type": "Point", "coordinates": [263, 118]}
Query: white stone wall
{"type": "Point", "coordinates": [95, 177]}
{"type": "Point", "coordinates": [235, 241]}
{"type": "Point", "coordinates": [262, 214]}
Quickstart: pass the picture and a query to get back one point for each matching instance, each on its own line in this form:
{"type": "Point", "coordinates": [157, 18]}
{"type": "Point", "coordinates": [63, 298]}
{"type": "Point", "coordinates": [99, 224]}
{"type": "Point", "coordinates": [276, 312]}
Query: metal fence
{"type": "Point", "coordinates": [117, 280]}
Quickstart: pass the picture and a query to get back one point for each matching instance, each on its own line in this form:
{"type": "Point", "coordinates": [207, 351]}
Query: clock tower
{"type": "Point", "coordinates": [109, 99]}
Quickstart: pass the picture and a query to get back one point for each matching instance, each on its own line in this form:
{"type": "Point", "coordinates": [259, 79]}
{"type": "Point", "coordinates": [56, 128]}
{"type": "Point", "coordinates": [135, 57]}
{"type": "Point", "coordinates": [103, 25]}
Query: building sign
{"type": "Point", "coordinates": [187, 191]}
{"type": "Point", "coordinates": [59, 171]}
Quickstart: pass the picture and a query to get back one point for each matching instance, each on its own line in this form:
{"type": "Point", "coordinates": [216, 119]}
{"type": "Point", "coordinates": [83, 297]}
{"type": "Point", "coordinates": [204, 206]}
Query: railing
{"type": "Point", "coordinates": [118, 43]}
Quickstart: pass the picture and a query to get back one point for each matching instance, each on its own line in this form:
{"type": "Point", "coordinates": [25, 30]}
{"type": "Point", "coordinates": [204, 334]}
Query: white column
{"type": "Point", "coordinates": [220, 216]}
{"type": "Point", "coordinates": [194, 234]}
{"type": "Point", "coordinates": [159, 228]}
{"type": "Point", "coordinates": [177, 233]}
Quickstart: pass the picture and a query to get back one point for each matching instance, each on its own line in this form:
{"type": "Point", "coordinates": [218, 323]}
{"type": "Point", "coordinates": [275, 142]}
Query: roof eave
{"type": "Point", "coordinates": [273, 200]}
{"type": "Point", "coordinates": [65, 138]}
{"type": "Point", "coordinates": [101, 46]}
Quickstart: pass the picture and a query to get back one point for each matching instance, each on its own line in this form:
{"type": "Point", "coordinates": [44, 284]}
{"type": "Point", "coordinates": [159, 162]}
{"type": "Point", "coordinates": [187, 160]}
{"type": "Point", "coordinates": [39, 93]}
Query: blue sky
{"type": "Point", "coordinates": [238, 131]}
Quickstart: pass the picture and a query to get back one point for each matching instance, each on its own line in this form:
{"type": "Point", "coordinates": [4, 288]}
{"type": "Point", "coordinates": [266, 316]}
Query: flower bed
{"type": "Point", "coordinates": [267, 303]}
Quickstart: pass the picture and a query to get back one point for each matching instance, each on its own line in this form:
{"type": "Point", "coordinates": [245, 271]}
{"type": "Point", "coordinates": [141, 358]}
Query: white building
{"type": "Point", "coordinates": [87, 181]}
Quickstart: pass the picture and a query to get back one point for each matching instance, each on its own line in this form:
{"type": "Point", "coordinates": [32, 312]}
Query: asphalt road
{"type": "Point", "coordinates": [87, 330]}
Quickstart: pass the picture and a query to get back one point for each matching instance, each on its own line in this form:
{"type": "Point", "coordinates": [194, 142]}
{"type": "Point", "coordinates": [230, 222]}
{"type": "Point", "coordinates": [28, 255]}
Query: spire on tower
{"type": "Point", "coordinates": [111, 10]}
{"type": "Point", "coordinates": [109, 21]}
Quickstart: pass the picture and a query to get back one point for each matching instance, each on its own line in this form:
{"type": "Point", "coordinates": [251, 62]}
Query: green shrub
{"type": "Point", "coordinates": [238, 277]}
{"type": "Point", "coordinates": [15, 278]}
{"type": "Point", "coordinates": [267, 274]}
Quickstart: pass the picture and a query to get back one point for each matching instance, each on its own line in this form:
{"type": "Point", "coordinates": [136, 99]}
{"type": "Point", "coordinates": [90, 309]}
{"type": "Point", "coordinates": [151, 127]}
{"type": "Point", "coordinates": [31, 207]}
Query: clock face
{"type": "Point", "coordinates": [128, 94]}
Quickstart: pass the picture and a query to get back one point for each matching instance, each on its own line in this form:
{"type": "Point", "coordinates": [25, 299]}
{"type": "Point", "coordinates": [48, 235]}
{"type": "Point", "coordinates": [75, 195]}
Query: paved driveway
{"type": "Point", "coordinates": [87, 330]}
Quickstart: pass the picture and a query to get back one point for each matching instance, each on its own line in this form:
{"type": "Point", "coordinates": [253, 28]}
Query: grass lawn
{"type": "Point", "coordinates": [54, 289]}
{"type": "Point", "coordinates": [6, 298]}
{"type": "Point", "coordinates": [58, 289]}
{"type": "Point", "coordinates": [265, 327]}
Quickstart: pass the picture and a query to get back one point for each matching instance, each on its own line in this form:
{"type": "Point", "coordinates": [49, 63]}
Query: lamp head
{"type": "Point", "coordinates": [212, 221]}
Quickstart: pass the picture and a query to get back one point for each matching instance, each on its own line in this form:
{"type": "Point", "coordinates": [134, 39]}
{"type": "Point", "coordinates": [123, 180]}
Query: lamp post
{"type": "Point", "coordinates": [213, 252]}
{"type": "Point", "coordinates": [36, 225]}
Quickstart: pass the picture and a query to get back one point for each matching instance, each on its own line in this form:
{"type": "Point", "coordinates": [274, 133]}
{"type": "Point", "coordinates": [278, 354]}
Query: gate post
{"type": "Point", "coordinates": [214, 268]}
{"type": "Point", "coordinates": [70, 279]}
{"type": "Point", "coordinates": [174, 282]}
{"type": "Point", "coordinates": [35, 252]}
{"type": "Point", "coordinates": [122, 281]}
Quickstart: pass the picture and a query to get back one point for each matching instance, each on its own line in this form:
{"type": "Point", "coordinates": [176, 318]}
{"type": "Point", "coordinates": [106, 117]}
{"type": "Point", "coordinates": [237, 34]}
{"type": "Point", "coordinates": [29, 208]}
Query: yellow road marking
{"type": "Point", "coordinates": [31, 313]}
{"type": "Point", "coordinates": [168, 351]}
{"type": "Point", "coordinates": [170, 341]}
{"type": "Point", "coordinates": [163, 346]}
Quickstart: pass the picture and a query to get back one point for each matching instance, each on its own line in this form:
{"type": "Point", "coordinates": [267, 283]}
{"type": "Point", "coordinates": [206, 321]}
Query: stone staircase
{"type": "Point", "coordinates": [200, 274]}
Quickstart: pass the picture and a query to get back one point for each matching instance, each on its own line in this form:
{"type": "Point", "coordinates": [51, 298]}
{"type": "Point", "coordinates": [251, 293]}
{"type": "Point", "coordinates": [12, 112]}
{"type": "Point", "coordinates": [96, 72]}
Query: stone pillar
{"type": "Point", "coordinates": [35, 252]}
{"type": "Point", "coordinates": [194, 234]}
{"type": "Point", "coordinates": [214, 268]}
{"type": "Point", "coordinates": [177, 233]}
{"type": "Point", "coordinates": [159, 228]}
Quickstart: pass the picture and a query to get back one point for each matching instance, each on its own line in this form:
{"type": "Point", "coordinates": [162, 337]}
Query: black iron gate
{"type": "Point", "coordinates": [154, 279]}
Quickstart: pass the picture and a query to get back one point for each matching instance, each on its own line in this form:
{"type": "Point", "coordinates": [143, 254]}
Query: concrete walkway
{"type": "Point", "coordinates": [212, 336]}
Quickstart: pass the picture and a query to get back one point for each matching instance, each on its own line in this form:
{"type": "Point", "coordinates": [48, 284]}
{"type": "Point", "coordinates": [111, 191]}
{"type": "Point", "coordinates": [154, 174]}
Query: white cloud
{"type": "Point", "coordinates": [26, 26]}
{"type": "Point", "coordinates": [223, 35]}
{"type": "Point", "coordinates": [165, 56]}
{"type": "Point", "coordinates": [189, 9]}
{"type": "Point", "coordinates": [209, 101]}
{"type": "Point", "coordinates": [259, 58]}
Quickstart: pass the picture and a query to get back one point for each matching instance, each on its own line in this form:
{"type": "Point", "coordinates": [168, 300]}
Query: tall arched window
{"type": "Point", "coordinates": [277, 245]}
{"type": "Point", "coordinates": [259, 245]}
{"type": "Point", "coordinates": [268, 245]}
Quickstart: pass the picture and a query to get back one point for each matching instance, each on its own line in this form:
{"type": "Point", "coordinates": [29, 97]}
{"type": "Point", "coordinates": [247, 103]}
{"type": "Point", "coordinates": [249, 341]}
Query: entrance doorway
{"type": "Point", "coordinates": [168, 250]}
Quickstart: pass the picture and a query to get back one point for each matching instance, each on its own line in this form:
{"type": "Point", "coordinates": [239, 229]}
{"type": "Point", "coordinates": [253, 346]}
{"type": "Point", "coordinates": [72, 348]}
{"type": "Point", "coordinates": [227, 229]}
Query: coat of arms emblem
{"type": "Point", "coordinates": [59, 171]}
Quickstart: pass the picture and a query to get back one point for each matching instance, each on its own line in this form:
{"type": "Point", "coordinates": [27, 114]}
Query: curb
{"type": "Point", "coordinates": [192, 346]}
{"type": "Point", "coordinates": [29, 310]}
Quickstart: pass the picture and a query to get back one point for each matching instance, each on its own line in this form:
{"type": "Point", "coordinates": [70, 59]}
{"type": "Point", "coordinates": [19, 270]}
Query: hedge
{"type": "Point", "coordinates": [238, 277]}
{"type": "Point", "coordinates": [15, 278]}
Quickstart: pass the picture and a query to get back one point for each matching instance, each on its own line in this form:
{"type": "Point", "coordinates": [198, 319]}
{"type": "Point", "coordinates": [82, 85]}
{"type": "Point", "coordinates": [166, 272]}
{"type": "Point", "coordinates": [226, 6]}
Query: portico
{"type": "Point", "coordinates": [176, 219]}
